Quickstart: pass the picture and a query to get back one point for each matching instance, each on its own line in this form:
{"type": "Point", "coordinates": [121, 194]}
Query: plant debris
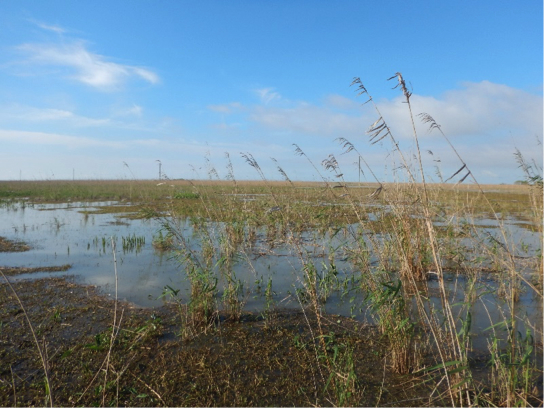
{"type": "Point", "coordinates": [19, 270]}
{"type": "Point", "coordinates": [7, 245]}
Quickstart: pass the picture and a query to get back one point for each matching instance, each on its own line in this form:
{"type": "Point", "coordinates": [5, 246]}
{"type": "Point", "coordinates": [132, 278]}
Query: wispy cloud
{"type": "Point", "coordinates": [134, 110]}
{"type": "Point", "coordinates": [307, 119]}
{"type": "Point", "coordinates": [42, 138]}
{"type": "Point", "coordinates": [485, 121]}
{"type": "Point", "coordinates": [48, 27]}
{"type": "Point", "coordinates": [85, 66]}
{"type": "Point", "coordinates": [226, 108]}
{"type": "Point", "coordinates": [267, 95]}
{"type": "Point", "coordinates": [33, 114]}
{"type": "Point", "coordinates": [341, 102]}
{"type": "Point", "coordinates": [22, 114]}
{"type": "Point", "coordinates": [482, 109]}
{"type": "Point", "coordinates": [74, 142]}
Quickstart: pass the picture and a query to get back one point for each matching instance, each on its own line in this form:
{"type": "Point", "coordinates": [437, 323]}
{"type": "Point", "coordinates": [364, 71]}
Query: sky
{"type": "Point", "coordinates": [121, 89]}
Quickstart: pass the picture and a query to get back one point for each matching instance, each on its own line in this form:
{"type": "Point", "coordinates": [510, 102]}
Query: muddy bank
{"type": "Point", "coordinates": [255, 361]}
{"type": "Point", "coordinates": [7, 245]}
{"type": "Point", "coordinates": [19, 270]}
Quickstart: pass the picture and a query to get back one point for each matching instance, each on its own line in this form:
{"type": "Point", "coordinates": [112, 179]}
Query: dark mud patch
{"type": "Point", "coordinates": [283, 359]}
{"type": "Point", "coordinates": [118, 222]}
{"type": "Point", "coordinates": [276, 361]}
{"type": "Point", "coordinates": [7, 245]}
{"type": "Point", "coordinates": [19, 270]}
{"type": "Point", "coordinates": [113, 209]}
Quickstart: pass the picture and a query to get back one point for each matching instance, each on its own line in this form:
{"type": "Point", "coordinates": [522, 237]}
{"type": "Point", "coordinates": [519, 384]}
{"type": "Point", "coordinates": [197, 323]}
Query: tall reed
{"type": "Point", "coordinates": [404, 249]}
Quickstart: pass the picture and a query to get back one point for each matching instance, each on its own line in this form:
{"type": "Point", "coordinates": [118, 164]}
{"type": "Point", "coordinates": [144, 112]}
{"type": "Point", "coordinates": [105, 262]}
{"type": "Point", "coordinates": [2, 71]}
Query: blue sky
{"type": "Point", "coordinates": [104, 89]}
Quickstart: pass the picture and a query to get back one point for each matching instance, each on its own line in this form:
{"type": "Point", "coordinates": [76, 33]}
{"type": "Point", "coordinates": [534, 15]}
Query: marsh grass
{"type": "Point", "coordinates": [163, 242]}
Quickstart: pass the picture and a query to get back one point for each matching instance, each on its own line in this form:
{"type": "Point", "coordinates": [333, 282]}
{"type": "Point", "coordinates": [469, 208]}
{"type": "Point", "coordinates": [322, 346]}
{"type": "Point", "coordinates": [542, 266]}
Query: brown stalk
{"type": "Point", "coordinates": [431, 232]}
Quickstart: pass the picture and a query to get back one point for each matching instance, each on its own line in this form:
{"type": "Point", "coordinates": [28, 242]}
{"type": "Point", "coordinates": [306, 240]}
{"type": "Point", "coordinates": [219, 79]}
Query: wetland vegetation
{"type": "Point", "coordinates": [409, 293]}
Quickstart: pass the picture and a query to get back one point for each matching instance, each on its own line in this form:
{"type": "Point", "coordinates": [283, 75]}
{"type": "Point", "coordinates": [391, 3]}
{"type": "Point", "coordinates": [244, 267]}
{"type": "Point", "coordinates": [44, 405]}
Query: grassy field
{"type": "Point", "coordinates": [514, 200]}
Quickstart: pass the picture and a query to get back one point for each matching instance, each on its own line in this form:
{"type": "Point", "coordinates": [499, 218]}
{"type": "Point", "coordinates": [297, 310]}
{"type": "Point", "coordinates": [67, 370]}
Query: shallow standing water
{"type": "Point", "coordinates": [69, 233]}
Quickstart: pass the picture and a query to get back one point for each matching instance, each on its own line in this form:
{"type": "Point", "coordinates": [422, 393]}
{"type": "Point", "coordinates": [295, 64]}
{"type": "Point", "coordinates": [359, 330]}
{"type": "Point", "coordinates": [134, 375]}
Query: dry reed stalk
{"type": "Point", "coordinates": [433, 239]}
{"type": "Point", "coordinates": [114, 324]}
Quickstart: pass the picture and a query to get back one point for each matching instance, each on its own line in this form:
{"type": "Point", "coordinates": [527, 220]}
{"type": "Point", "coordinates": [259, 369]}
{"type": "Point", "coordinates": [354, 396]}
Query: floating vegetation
{"type": "Point", "coordinates": [163, 242]}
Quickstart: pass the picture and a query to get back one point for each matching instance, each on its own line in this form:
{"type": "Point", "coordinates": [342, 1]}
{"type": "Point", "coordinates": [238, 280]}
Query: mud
{"type": "Point", "coordinates": [7, 245]}
{"type": "Point", "coordinates": [251, 362]}
{"type": "Point", "coordinates": [19, 270]}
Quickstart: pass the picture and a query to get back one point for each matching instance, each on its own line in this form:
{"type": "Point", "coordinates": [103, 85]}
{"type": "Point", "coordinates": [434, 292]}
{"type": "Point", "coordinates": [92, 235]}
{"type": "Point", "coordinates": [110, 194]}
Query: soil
{"type": "Point", "coordinates": [7, 245]}
{"type": "Point", "coordinates": [19, 270]}
{"type": "Point", "coordinates": [250, 362]}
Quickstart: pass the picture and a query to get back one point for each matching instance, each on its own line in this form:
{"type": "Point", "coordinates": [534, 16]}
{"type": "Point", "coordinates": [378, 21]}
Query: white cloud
{"type": "Point", "coordinates": [147, 142]}
{"type": "Point", "coordinates": [477, 109]}
{"type": "Point", "coordinates": [49, 27]}
{"type": "Point", "coordinates": [267, 95]}
{"type": "Point", "coordinates": [226, 108]}
{"type": "Point", "coordinates": [341, 102]}
{"type": "Point", "coordinates": [134, 110]}
{"type": "Point", "coordinates": [308, 119]}
{"type": "Point", "coordinates": [91, 69]}
{"type": "Point", "coordinates": [233, 127]}
{"type": "Point", "coordinates": [480, 109]}
{"type": "Point", "coordinates": [42, 138]}
{"type": "Point", "coordinates": [219, 108]}
{"type": "Point", "coordinates": [146, 74]}
{"type": "Point", "coordinates": [486, 122]}
{"type": "Point", "coordinates": [24, 113]}
{"type": "Point", "coordinates": [44, 114]}
{"type": "Point", "coordinates": [21, 139]}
